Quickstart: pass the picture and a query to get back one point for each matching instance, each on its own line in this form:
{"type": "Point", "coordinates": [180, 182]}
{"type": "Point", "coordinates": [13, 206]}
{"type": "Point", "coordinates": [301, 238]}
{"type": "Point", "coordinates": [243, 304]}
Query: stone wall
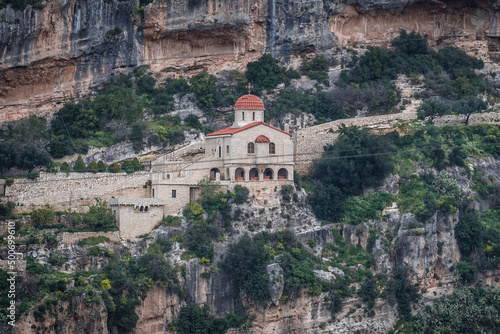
{"type": "Point", "coordinates": [75, 237]}
{"type": "Point", "coordinates": [310, 142]}
{"type": "Point", "coordinates": [74, 190]}
{"type": "Point", "coordinates": [137, 216]}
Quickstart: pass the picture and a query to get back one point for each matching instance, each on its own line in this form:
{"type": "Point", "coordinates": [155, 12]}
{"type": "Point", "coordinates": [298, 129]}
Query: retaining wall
{"type": "Point", "coordinates": [74, 190]}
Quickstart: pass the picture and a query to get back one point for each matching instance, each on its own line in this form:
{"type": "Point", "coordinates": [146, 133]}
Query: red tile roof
{"type": "Point", "coordinates": [262, 139]}
{"type": "Point", "coordinates": [231, 131]}
{"type": "Point", "coordinates": [249, 101]}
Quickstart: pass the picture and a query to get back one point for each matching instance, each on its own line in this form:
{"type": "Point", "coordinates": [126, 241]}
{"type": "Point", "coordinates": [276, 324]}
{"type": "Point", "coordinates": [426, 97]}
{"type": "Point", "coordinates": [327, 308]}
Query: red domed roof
{"type": "Point", "coordinates": [262, 139]}
{"type": "Point", "coordinates": [249, 101]}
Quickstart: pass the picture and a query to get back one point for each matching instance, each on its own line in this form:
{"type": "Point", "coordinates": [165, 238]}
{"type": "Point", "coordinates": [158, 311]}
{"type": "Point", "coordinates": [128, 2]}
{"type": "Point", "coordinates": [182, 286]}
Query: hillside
{"type": "Point", "coordinates": [378, 212]}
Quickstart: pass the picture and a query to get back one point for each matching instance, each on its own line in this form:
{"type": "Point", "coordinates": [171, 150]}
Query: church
{"type": "Point", "coordinates": [250, 152]}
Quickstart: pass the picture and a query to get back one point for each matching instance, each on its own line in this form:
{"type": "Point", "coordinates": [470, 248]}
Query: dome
{"type": "Point", "coordinates": [262, 139]}
{"type": "Point", "coordinates": [249, 101]}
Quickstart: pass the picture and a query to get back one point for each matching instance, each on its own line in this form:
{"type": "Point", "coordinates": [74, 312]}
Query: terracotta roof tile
{"type": "Point", "coordinates": [249, 101]}
{"type": "Point", "coordinates": [262, 139]}
{"type": "Point", "coordinates": [231, 131]}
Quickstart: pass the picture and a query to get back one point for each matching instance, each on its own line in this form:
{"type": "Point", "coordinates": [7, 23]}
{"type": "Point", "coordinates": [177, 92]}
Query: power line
{"type": "Point", "coordinates": [387, 153]}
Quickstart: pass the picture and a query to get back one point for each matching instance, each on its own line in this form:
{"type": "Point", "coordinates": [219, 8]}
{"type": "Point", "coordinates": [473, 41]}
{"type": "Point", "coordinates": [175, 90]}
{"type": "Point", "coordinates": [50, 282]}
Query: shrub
{"type": "Point", "coordinates": [317, 68]}
{"type": "Point", "coordinates": [99, 216]}
{"type": "Point", "coordinates": [248, 272]}
{"type": "Point", "coordinates": [431, 109]}
{"type": "Point", "coordinates": [31, 158]}
{"type": "Point", "coordinates": [65, 167]}
{"type": "Point", "coordinates": [114, 167]}
{"type": "Point", "coordinates": [173, 221]}
{"type": "Point", "coordinates": [265, 73]}
{"type": "Point", "coordinates": [192, 121]}
{"type": "Point", "coordinates": [101, 166]}
{"type": "Point", "coordinates": [399, 289]}
{"type": "Point", "coordinates": [93, 167]}
{"type": "Point", "coordinates": [80, 165]}
{"type": "Point", "coordinates": [93, 240]}
{"type": "Point", "coordinates": [241, 194]}
{"type": "Point", "coordinates": [45, 216]}
{"type": "Point", "coordinates": [203, 85]}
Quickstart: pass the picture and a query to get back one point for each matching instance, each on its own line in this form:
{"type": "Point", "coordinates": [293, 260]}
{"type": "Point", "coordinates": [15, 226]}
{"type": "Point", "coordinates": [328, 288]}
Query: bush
{"type": "Point", "coordinates": [241, 194]}
{"type": "Point", "coordinates": [114, 167]}
{"type": "Point", "coordinates": [265, 73]}
{"type": "Point", "coordinates": [45, 216]}
{"type": "Point", "coordinates": [31, 158]}
{"type": "Point", "coordinates": [245, 264]}
{"type": "Point", "coordinates": [65, 167]}
{"type": "Point", "coordinates": [192, 121]}
{"type": "Point", "coordinates": [101, 166]}
{"type": "Point", "coordinates": [80, 165]}
{"type": "Point", "coordinates": [203, 85]}
{"type": "Point", "coordinates": [399, 289]}
{"type": "Point", "coordinates": [173, 221]}
{"type": "Point", "coordinates": [100, 217]}
{"type": "Point", "coordinates": [431, 109]}
{"type": "Point", "coordinates": [468, 232]}
{"type": "Point", "coordinates": [93, 240]}
{"type": "Point", "coordinates": [317, 68]}
{"type": "Point", "coordinates": [93, 167]}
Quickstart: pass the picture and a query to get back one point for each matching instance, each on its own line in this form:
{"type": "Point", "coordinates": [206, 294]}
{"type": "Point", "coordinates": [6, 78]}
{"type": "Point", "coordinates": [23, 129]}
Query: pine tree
{"type": "Point", "coordinates": [80, 165]}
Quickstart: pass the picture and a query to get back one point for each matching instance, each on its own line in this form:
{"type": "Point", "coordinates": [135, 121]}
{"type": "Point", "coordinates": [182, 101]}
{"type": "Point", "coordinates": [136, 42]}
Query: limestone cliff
{"type": "Point", "coordinates": [49, 54]}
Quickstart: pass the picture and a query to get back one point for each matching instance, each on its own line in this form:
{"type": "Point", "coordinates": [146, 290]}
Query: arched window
{"type": "Point", "coordinates": [250, 148]}
{"type": "Point", "coordinates": [253, 116]}
{"type": "Point", "coordinates": [242, 115]}
{"type": "Point", "coordinates": [272, 148]}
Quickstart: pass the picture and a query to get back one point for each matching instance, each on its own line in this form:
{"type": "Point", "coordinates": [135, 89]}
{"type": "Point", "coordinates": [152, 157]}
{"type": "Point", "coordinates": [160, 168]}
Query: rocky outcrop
{"type": "Point", "coordinates": [50, 54]}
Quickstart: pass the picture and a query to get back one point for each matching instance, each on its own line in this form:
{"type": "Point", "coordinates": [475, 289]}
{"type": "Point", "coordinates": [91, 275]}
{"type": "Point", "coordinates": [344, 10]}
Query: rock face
{"type": "Point", "coordinates": [59, 51]}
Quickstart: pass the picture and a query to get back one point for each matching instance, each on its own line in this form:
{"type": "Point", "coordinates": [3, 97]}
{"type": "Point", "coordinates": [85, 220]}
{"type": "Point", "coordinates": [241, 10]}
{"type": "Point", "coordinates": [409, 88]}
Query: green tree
{"type": "Point", "coordinates": [136, 165]}
{"type": "Point", "coordinates": [265, 73]}
{"type": "Point", "coordinates": [317, 68]}
{"type": "Point", "coordinates": [192, 121]}
{"type": "Point", "coordinates": [245, 263]}
{"type": "Point", "coordinates": [241, 194]}
{"type": "Point", "coordinates": [354, 162]}
{"type": "Point", "coordinates": [44, 216]}
{"type": "Point", "coordinates": [8, 156]}
{"type": "Point", "coordinates": [101, 166]}
{"type": "Point", "coordinates": [99, 216]}
{"type": "Point", "coordinates": [431, 109]}
{"type": "Point", "coordinates": [31, 158]}
{"type": "Point", "coordinates": [203, 85]}
{"type": "Point", "coordinates": [469, 233]}
{"type": "Point", "coordinates": [410, 44]}
{"type": "Point", "coordinates": [93, 167]}
{"type": "Point", "coordinates": [80, 165]}
{"type": "Point", "coordinates": [114, 167]}
{"type": "Point", "coordinates": [469, 106]}
{"type": "Point", "coordinates": [119, 102]}
{"type": "Point", "coordinates": [127, 167]}
{"type": "Point", "coordinates": [65, 167]}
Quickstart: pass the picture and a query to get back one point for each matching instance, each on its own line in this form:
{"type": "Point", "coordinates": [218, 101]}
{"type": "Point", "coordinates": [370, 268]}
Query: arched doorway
{"type": "Point", "coordinates": [239, 174]}
{"type": "Point", "coordinates": [254, 174]}
{"type": "Point", "coordinates": [283, 174]}
{"type": "Point", "coordinates": [214, 173]}
{"type": "Point", "coordinates": [268, 174]}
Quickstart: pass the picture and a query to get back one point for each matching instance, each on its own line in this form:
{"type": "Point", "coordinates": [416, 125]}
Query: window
{"type": "Point", "coordinates": [272, 148]}
{"type": "Point", "coordinates": [253, 116]}
{"type": "Point", "coordinates": [153, 193]}
{"type": "Point", "coordinates": [227, 149]}
{"type": "Point", "coordinates": [174, 193]}
{"type": "Point", "coordinates": [220, 151]}
{"type": "Point", "coordinates": [243, 115]}
{"type": "Point", "coordinates": [250, 148]}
